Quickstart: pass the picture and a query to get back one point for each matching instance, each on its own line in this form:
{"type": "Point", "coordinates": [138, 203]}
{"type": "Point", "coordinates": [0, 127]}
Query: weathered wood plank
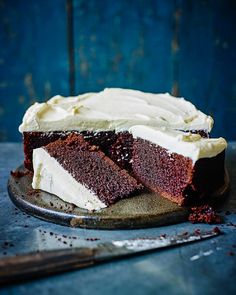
{"type": "Point", "coordinates": [207, 59]}
{"type": "Point", "coordinates": [123, 44]}
{"type": "Point", "coordinates": [33, 58]}
{"type": "Point", "coordinates": [187, 47]}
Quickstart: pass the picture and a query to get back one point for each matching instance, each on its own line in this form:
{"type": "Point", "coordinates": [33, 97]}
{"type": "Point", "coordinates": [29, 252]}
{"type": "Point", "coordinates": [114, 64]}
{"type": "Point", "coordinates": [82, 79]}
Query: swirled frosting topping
{"type": "Point", "coordinates": [114, 109]}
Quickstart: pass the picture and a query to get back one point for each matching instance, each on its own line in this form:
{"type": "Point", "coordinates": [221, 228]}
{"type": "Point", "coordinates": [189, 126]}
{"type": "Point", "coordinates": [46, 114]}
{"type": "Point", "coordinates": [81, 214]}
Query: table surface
{"type": "Point", "coordinates": [207, 267]}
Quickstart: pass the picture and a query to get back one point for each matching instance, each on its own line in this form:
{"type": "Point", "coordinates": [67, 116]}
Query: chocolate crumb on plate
{"type": "Point", "coordinates": [185, 233]}
{"type": "Point", "coordinates": [197, 231]}
{"type": "Point", "coordinates": [216, 230]}
{"type": "Point", "coordinates": [204, 214]}
{"type": "Point", "coordinates": [92, 239]}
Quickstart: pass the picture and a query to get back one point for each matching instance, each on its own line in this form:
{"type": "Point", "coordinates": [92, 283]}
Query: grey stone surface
{"type": "Point", "coordinates": [207, 267]}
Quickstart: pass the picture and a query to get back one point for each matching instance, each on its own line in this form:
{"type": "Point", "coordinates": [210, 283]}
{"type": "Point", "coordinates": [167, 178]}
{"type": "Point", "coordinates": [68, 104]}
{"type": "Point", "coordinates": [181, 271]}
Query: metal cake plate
{"type": "Point", "coordinates": [144, 210]}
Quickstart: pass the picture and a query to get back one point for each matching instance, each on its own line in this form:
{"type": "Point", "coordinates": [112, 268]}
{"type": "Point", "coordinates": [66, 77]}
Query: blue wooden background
{"type": "Point", "coordinates": [185, 47]}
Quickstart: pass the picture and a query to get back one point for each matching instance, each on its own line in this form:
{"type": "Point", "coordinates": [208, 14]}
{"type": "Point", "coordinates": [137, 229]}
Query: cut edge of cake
{"type": "Point", "coordinates": [49, 176]}
{"type": "Point", "coordinates": [188, 144]}
{"type": "Point", "coordinates": [182, 167]}
{"type": "Point", "coordinates": [80, 173]}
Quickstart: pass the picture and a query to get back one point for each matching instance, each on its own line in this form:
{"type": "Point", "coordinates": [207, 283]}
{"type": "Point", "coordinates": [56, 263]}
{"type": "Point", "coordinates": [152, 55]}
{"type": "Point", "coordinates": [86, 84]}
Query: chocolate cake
{"type": "Point", "coordinates": [115, 145]}
{"type": "Point", "coordinates": [159, 140]}
{"type": "Point", "coordinates": [105, 117]}
{"type": "Point", "coordinates": [182, 167]}
{"type": "Point", "coordinates": [81, 174]}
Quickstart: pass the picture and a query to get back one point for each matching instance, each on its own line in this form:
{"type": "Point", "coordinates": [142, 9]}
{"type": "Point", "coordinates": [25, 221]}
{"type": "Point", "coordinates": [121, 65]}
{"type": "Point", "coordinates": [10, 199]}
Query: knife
{"type": "Point", "coordinates": [32, 265]}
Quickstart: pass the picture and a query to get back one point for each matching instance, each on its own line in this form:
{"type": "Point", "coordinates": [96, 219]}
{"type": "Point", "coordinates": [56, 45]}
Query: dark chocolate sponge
{"type": "Point", "coordinates": [92, 168]}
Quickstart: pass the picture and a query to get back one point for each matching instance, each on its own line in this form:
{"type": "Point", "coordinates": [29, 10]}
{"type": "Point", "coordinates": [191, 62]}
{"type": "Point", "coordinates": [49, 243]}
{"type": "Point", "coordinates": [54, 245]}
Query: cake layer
{"type": "Point", "coordinates": [51, 177]}
{"type": "Point", "coordinates": [182, 175]}
{"type": "Point", "coordinates": [34, 140]}
{"type": "Point", "coordinates": [118, 146]}
{"type": "Point", "coordinates": [81, 174]}
{"type": "Point", "coordinates": [114, 109]}
{"type": "Point", "coordinates": [189, 145]}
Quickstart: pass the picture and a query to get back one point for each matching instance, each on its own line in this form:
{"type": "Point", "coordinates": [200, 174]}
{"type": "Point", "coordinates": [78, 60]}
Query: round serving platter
{"type": "Point", "coordinates": [144, 210]}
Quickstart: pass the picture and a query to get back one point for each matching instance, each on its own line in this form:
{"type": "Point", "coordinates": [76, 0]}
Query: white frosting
{"type": "Point", "coordinates": [189, 145]}
{"type": "Point", "coordinates": [51, 177]}
{"type": "Point", "coordinates": [114, 109]}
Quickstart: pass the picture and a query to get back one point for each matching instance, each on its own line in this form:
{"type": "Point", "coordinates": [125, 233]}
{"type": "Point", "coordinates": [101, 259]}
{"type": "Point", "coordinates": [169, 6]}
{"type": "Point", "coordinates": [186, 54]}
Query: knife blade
{"type": "Point", "coordinates": [32, 265]}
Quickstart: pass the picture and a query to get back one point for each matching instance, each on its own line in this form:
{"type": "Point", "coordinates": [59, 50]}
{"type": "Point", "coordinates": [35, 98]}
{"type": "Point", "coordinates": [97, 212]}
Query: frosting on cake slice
{"type": "Point", "coordinates": [81, 174]}
{"type": "Point", "coordinates": [51, 177]}
{"type": "Point", "coordinates": [187, 144]}
{"type": "Point", "coordinates": [114, 109]}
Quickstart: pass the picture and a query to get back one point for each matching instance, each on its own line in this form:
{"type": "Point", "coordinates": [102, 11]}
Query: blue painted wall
{"type": "Point", "coordinates": [66, 47]}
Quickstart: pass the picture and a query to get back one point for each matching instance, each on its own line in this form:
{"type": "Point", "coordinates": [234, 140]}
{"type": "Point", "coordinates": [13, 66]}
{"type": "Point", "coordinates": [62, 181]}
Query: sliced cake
{"type": "Point", "coordinates": [94, 149]}
{"type": "Point", "coordinates": [182, 167]}
{"type": "Point", "coordinates": [80, 173]}
{"type": "Point", "coordinates": [105, 117]}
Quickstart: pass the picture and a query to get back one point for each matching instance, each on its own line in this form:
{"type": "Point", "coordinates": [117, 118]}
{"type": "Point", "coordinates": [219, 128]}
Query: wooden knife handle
{"type": "Point", "coordinates": [33, 265]}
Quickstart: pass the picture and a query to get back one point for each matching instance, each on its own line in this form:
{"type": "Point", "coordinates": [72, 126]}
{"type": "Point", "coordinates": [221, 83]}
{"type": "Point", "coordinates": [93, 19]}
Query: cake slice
{"type": "Point", "coordinates": [182, 167]}
{"type": "Point", "coordinates": [81, 174]}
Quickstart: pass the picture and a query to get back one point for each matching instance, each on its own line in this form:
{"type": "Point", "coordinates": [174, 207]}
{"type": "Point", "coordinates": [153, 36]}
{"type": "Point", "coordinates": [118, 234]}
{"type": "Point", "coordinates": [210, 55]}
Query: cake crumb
{"type": "Point", "coordinates": [216, 230]}
{"type": "Point", "coordinates": [197, 232]}
{"type": "Point", "coordinates": [204, 214]}
{"type": "Point", "coordinates": [18, 173]}
{"type": "Point", "coordinates": [185, 233]}
{"type": "Point", "coordinates": [92, 239]}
